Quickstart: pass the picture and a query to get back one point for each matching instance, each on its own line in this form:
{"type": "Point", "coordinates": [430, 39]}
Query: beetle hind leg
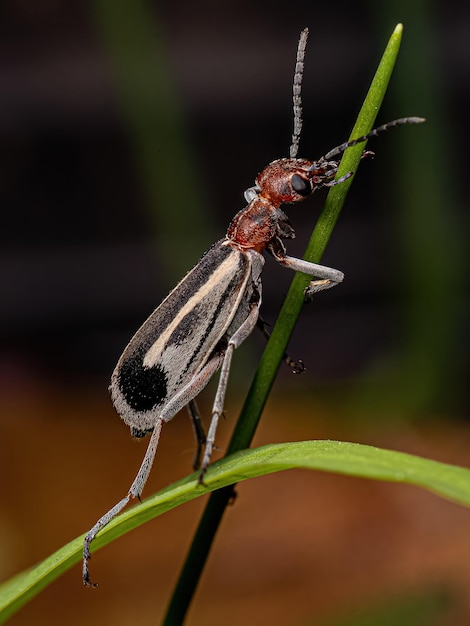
{"type": "Point", "coordinates": [199, 433]}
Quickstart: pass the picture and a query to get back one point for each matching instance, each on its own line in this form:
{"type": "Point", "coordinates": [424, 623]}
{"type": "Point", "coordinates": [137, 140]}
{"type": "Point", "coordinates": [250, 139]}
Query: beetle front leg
{"type": "Point", "coordinates": [318, 285]}
{"type": "Point", "coordinates": [326, 277]}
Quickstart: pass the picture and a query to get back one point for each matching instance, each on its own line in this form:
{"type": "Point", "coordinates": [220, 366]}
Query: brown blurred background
{"type": "Point", "coordinates": [128, 135]}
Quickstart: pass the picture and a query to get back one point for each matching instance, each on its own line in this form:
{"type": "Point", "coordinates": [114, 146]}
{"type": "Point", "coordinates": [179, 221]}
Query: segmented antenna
{"type": "Point", "coordinates": [376, 131]}
{"type": "Point", "coordinates": [297, 93]}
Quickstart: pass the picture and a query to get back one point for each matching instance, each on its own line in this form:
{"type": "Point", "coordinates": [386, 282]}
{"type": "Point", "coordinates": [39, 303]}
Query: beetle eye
{"type": "Point", "coordinates": [300, 185]}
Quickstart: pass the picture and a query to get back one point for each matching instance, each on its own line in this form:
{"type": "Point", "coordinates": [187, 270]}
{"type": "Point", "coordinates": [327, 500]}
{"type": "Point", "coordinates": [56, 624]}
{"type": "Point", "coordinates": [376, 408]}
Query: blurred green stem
{"type": "Point", "coordinates": [426, 372]}
{"type": "Point", "coordinates": [154, 121]}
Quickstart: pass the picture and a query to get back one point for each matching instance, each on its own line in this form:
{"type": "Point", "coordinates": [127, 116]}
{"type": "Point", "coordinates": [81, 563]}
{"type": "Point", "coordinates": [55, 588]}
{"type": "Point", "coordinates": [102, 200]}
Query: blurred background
{"type": "Point", "coordinates": [128, 134]}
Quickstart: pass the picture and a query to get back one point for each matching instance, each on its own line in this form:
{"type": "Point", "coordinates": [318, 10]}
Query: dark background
{"type": "Point", "coordinates": [127, 137]}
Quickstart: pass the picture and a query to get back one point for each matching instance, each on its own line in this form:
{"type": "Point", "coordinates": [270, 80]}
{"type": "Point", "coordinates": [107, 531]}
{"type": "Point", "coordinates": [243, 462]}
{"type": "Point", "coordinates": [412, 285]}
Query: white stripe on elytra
{"type": "Point", "coordinates": [225, 269]}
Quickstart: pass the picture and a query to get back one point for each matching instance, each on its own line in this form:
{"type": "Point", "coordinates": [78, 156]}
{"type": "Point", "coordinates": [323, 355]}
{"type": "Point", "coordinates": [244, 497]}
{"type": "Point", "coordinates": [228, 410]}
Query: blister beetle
{"type": "Point", "coordinates": [195, 330]}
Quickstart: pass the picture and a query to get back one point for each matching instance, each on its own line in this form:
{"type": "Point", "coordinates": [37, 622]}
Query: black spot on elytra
{"type": "Point", "coordinates": [144, 388]}
{"type": "Point", "coordinates": [137, 433]}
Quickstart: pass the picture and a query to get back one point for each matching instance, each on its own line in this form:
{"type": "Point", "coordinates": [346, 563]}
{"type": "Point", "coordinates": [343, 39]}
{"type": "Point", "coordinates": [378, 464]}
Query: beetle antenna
{"type": "Point", "coordinates": [297, 93]}
{"type": "Point", "coordinates": [376, 131]}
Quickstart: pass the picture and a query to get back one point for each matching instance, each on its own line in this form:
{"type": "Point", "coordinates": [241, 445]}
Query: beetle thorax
{"type": "Point", "coordinates": [254, 226]}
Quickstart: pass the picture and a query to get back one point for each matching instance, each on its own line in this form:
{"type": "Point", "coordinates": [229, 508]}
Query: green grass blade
{"type": "Point", "coordinates": [153, 118]}
{"type": "Point", "coordinates": [351, 459]}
